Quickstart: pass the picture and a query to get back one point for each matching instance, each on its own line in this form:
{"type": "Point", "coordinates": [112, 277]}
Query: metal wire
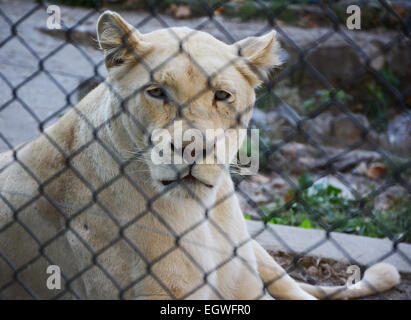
{"type": "Point", "coordinates": [270, 151]}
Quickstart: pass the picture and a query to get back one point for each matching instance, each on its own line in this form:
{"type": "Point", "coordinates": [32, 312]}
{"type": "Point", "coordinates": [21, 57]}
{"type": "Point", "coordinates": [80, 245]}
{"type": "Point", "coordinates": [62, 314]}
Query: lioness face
{"type": "Point", "coordinates": [180, 78]}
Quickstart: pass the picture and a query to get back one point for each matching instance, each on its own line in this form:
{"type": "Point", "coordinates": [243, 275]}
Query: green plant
{"type": "Point", "coordinates": [249, 10]}
{"type": "Point", "coordinates": [379, 102]}
{"type": "Point", "coordinates": [265, 157]}
{"type": "Point", "coordinates": [265, 101]}
{"type": "Point", "coordinates": [322, 96]}
{"type": "Point", "coordinates": [323, 207]}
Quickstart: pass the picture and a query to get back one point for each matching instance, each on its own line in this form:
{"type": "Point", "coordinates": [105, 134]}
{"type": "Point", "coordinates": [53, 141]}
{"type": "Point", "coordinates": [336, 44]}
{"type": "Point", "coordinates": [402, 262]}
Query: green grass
{"type": "Point", "coordinates": [324, 208]}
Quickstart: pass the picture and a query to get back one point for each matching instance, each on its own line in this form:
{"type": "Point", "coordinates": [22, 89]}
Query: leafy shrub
{"type": "Point", "coordinates": [378, 102]}
{"type": "Point", "coordinates": [321, 206]}
{"type": "Point", "coordinates": [322, 96]}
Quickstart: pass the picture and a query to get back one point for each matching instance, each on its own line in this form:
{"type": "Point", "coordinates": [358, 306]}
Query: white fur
{"type": "Point", "coordinates": [91, 200]}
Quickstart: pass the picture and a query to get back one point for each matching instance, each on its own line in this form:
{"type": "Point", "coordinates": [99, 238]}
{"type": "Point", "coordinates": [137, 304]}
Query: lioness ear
{"type": "Point", "coordinates": [119, 40]}
{"type": "Point", "coordinates": [261, 54]}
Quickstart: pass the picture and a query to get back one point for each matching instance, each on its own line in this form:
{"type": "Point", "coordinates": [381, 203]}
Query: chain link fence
{"type": "Point", "coordinates": [287, 157]}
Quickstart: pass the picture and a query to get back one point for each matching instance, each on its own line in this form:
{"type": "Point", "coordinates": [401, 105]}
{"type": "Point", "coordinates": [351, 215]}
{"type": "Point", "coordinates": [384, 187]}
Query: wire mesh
{"type": "Point", "coordinates": [67, 214]}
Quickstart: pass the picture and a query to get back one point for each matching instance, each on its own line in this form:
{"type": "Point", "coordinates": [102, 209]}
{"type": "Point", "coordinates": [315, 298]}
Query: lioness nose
{"type": "Point", "coordinates": [200, 155]}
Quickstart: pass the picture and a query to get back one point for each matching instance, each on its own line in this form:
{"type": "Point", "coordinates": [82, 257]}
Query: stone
{"type": "Point", "coordinates": [399, 133]}
{"type": "Point", "coordinates": [322, 57]}
{"type": "Point", "coordinates": [264, 119]}
{"type": "Point", "coordinates": [259, 116]}
{"type": "Point", "coordinates": [389, 197]}
{"type": "Point", "coordinates": [349, 128]}
{"type": "Point", "coordinates": [333, 181]}
{"type": "Point", "coordinates": [259, 178]}
{"type": "Point", "coordinates": [320, 127]}
{"type": "Point", "coordinates": [361, 169]}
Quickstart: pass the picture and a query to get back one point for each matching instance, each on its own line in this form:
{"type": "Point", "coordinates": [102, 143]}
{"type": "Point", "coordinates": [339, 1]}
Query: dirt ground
{"type": "Point", "coordinates": [329, 272]}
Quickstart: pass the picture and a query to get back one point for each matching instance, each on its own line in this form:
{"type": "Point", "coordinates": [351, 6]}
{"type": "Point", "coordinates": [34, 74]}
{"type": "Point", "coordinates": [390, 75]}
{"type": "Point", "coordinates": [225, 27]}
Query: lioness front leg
{"type": "Point", "coordinates": [279, 284]}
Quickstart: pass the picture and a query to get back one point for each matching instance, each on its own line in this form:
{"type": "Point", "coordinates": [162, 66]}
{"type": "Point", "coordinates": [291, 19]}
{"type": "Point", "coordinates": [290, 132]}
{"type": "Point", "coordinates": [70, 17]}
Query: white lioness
{"type": "Point", "coordinates": [84, 197]}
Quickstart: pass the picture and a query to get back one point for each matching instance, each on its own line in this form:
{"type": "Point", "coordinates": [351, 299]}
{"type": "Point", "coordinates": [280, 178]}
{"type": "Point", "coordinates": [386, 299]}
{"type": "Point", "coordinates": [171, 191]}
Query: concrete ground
{"type": "Point", "coordinates": [68, 66]}
{"type": "Point", "coordinates": [325, 261]}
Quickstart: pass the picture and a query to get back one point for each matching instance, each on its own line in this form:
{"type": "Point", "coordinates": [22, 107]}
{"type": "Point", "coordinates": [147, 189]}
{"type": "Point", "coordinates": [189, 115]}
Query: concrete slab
{"type": "Point", "coordinates": [342, 247]}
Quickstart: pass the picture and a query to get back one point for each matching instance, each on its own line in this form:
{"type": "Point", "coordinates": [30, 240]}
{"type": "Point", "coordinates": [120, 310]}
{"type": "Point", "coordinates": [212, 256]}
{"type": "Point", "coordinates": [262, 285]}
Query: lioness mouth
{"type": "Point", "coordinates": [187, 178]}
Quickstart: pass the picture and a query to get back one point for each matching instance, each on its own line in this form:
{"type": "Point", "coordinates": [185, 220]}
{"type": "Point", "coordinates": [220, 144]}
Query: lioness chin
{"type": "Point", "coordinates": [86, 196]}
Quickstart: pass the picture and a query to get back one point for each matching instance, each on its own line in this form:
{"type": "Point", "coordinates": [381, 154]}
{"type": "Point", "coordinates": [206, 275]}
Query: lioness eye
{"type": "Point", "coordinates": [157, 93]}
{"type": "Point", "coordinates": [221, 95]}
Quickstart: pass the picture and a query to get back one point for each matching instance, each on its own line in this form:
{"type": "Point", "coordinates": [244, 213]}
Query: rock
{"type": "Point", "coordinates": [341, 129]}
{"type": "Point", "coordinates": [361, 169]}
{"type": "Point", "coordinates": [254, 191]}
{"type": "Point", "coordinates": [350, 128]}
{"type": "Point", "coordinates": [333, 181]}
{"type": "Point", "coordinates": [351, 159]}
{"type": "Point", "coordinates": [259, 198]}
{"type": "Point", "coordinates": [259, 116]}
{"type": "Point", "coordinates": [399, 133]}
{"type": "Point", "coordinates": [324, 56]}
{"type": "Point", "coordinates": [288, 94]}
{"type": "Point", "coordinates": [307, 162]}
{"type": "Point", "coordinates": [265, 119]}
{"type": "Point", "coordinates": [259, 178]}
{"type": "Point", "coordinates": [308, 158]}
{"type": "Point", "coordinates": [320, 128]}
{"type": "Point", "coordinates": [260, 189]}
{"type": "Point", "coordinates": [278, 183]}
{"type": "Point", "coordinates": [390, 196]}
{"type": "Point", "coordinates": [272, 126]}
{"type": "Point", "coordinates": [289, 114]}
{"type": "Point", "coordinates": [324, 123]}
